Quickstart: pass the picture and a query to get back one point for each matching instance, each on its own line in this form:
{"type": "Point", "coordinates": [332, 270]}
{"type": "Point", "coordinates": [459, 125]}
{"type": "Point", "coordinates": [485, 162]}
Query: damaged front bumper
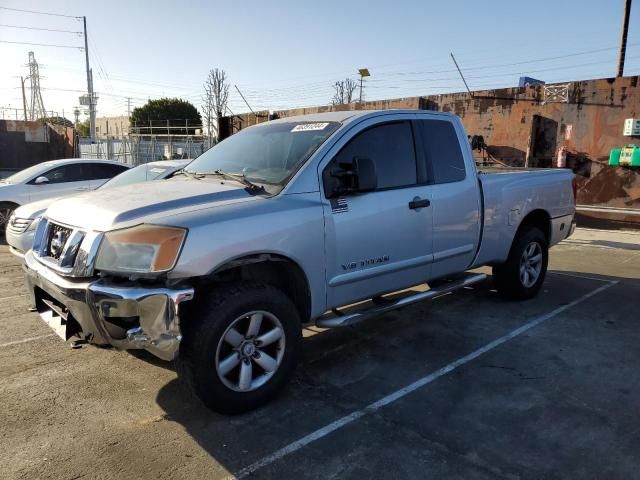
{"type": "Point", "coordinates": [102, 312]}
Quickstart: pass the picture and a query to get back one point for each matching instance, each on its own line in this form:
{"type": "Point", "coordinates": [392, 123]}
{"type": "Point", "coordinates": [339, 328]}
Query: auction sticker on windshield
{"type": "Point", "coordinates": [308, 127]}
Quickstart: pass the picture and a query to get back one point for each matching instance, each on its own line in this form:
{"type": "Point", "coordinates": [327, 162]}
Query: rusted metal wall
{"type": "Point", "coordinates": [23, 144]}
{"type": "Point", "coordinates": [514, 121]}
{"type": "Point", "coordinates": [589, 125]}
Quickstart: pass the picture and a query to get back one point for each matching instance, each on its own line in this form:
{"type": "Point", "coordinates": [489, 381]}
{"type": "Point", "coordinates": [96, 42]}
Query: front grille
{"type": "Point", "coordinates": [57, 238]}
{"type": "Point", "coordinates": [18, 225]}
{"type": "Point", "coordinates": [58, 246]}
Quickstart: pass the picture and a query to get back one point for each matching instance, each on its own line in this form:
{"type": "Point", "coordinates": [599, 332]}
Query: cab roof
{"type": "Point", "coordinates": [346, 116]}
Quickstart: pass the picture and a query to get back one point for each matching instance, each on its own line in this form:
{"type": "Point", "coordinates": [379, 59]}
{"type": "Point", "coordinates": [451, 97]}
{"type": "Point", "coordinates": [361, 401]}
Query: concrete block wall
{"type": "Point", "coordinates": [23, 144]}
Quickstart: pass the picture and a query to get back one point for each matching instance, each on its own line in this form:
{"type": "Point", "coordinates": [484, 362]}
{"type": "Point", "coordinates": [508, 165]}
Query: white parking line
{"type": "Point", "coordinates": [332, 427]}
{"type": "Point", "coordinates": [26, 340]}
{"type": "Point", "coordinates": [585, 277]}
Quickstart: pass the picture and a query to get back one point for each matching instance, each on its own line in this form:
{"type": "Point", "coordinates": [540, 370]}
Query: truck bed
{"type": "Point", "coordinates": [487, 170]}
{"type": "Point", "coordinates": [509, 194]}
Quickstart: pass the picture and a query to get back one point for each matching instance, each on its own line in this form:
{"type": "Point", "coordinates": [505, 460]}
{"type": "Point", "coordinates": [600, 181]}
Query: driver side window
{"type": "Point", "coordinates": [390, 147]}
{"type": "Point", "coordinates": [64, 174]}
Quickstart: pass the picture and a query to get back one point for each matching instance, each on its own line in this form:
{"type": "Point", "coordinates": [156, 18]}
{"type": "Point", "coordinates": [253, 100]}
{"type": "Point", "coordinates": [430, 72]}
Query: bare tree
{"type": "Point", "coordinates": [208, 114]}
{"type": "Point", "coordinates": [344, 91]}
{"type": "Point", "coordinates": [216, 97]}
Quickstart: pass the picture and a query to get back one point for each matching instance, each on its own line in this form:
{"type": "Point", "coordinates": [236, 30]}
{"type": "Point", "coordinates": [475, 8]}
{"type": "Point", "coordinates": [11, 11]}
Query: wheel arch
{"type": "Point", "coordinates": [3, 221]}
{"type": "Point", "coordinates": [538, 218]}
{"type": "Point", "coordinates": [13, 204]}
{"type": "Point", "coordinates": [273, 269]}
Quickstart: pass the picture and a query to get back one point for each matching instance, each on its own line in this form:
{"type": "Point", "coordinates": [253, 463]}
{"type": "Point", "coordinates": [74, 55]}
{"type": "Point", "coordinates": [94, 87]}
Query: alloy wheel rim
{"type": "Point", "coordinates": [5, 214]}
{"type": "Point", "coordinates": [250, 351]}
{"type": "Point", "coordinates": [530, 264]}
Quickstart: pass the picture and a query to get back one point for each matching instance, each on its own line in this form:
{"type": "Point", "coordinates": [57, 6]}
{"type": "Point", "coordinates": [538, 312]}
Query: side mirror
{"type": "Point", "coordinates": [366, 176]}
{"type": "Point", "coordinates": [41, 180]}
{"type": "Point", "coordinates": [348, 178]}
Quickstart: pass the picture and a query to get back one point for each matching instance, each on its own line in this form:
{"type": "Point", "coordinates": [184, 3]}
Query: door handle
{"type": "Point", "coordinates": [418, 202]}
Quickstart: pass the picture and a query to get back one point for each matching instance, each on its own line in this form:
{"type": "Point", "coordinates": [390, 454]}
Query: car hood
{"type": "Point", "coordinates": [118, 207]}
{"type": "Point", "coordinates": [33, 209]}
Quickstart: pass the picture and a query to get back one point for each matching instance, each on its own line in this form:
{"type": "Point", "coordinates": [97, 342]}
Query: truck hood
{"type": "Point", "coordinates": [106, 209]}
{"type": "Point", "coordinates": [34, 209]}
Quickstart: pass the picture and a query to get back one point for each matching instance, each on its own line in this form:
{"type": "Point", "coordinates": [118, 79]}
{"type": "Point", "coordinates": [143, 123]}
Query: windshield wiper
{"type": "Point", "coordinates": [238, 177]}
{"type": "Point", "coordinates": [189, 174]}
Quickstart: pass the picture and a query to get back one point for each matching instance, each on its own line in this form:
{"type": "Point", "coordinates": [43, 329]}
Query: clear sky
{"type": "Point", "coordinates": [285, 53]}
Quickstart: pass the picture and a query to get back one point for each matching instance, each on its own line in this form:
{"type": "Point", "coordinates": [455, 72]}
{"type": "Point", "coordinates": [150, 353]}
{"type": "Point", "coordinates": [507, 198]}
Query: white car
{"type": "Point", "coordinates": [53, 179]}
{"type": "Point", "coordinates": [22, 224]}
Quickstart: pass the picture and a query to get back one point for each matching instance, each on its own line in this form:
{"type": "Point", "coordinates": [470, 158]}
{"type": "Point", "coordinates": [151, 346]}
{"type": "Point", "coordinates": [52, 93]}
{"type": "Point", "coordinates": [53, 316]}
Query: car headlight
{"type": "Point", "coordinates": [10, 221]}
{"type": "Point", "coordinates": [140, 249]}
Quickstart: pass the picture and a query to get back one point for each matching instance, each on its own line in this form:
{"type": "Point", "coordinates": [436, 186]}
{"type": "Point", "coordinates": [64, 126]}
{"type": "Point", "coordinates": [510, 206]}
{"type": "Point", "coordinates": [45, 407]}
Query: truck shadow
{"type": "Point", "coordinates": [343, 369]}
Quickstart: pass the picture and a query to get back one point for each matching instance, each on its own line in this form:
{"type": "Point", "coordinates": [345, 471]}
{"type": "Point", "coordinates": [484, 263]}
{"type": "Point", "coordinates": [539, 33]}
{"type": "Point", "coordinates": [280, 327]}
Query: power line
{"type": "Point", "coordinates": [524, 62]}
{"type": "Point", "coordinates": [320, 85]}
{"type": "Point", "coordinates": [285, 90]}
{"type": "Point", "coordinates": [101, 70]}
{"type": "Point", "coordinates": [40, 28]}
{"type": "Point", "coordinates": [39, 12]}
{"type": "Point", "coordinates": [42, 44]}
{"type": "Point", "coordinates": [502, 74]}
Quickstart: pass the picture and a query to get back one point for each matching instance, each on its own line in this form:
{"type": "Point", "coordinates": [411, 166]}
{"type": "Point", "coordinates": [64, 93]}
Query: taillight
{"type": "Point", "coordinates": [574, 185]}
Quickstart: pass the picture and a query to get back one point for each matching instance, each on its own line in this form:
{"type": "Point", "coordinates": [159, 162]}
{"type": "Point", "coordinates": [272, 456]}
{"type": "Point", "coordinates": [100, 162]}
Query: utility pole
{"type": "Point", "coordinates": [128, 106]}
{"type": "Point", "coordinates": [24, 99]}
{"type": "Point", "coordinates": [76, 114]}
{"type": "Point", "coordinates": [623, 37]}
{"type": "Point", "coordinates": [92, 106]}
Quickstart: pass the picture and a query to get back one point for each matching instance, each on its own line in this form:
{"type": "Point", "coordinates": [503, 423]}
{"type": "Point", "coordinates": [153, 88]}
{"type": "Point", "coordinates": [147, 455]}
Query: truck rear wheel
{"type": "Point", "coordinates": [240, 346]}
{"type": "Point", "coordinates": [523, 274]}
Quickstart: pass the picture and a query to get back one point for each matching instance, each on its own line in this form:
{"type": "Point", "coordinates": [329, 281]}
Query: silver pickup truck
{"type": "Point", "coordinates": [284, 224]}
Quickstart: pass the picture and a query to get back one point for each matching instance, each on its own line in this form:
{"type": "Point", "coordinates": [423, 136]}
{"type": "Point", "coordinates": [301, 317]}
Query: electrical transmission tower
{"type": "Point", "coordinates": [36, 110]}
{"type": "Point", "coordinates": [76, 114]}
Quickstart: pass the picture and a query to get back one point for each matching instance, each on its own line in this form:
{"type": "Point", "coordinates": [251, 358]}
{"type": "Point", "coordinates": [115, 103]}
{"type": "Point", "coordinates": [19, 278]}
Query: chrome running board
{"type": "Point", "coordinates": [331, 320]}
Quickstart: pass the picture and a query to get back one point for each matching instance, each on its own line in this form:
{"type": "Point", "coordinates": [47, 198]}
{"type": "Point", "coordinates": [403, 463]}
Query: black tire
{"type": "Point", "coordinates": [6, 209]}
{"type": "Point", "coordinates": [507, 277]}
{"type": "Point", "coordinates": [203, 328]}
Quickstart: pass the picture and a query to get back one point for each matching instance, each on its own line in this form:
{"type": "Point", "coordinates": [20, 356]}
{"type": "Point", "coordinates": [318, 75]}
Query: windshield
{"type": "Point", "coordinates": [268, 154]}
{"type": "Point", "coordinates": [27, 173]}
{"type": "Point", "coordinates": [141, 173]}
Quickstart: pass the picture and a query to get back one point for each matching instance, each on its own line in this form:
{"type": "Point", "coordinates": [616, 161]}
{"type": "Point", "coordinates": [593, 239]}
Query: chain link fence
{"type": "Point", "coordinates": [137, 149]}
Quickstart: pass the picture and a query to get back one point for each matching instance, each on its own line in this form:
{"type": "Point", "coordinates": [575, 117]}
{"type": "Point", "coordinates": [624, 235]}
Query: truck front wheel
{"type": "Point", "coordinates": [240, 346]}
{"type": "Point", "coordinates": [522, 275]}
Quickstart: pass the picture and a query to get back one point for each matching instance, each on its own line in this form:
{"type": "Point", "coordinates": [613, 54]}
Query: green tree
{"type": "Point", "coordinates": [57, 121]}
{"type": "Point", "coordinates": [171, 112]}
{"type": "Point", "coordinates": [84, 129]}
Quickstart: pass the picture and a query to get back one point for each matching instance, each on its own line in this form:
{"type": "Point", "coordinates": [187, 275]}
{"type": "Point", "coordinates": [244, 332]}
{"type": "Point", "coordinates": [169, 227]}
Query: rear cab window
{"type": "Point", "coordinates": [441, 151]}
